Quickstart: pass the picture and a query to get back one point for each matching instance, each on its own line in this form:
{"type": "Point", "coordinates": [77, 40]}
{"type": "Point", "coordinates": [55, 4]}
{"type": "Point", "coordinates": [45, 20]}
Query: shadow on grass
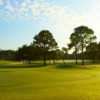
{"type": "Point", "coordinates": [33, 65]}
{"type": "Point", "coordinates": [58, 65]}
{"type": "Point", "coordinates": [73, 62]}
{"type": "Point", "coordinates": [61, 66]}
{"type": "Point", "coordinates": [64, 66]}
{"type": "Point", "coordinates": [88, 64]}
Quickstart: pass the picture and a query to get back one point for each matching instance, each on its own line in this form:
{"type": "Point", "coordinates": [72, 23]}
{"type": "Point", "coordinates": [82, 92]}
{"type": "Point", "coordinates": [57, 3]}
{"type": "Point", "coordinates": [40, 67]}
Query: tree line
{"type": "Point", "coordinates": [44, 46]}
{"type": "Point", "coordinates": [4, 53]}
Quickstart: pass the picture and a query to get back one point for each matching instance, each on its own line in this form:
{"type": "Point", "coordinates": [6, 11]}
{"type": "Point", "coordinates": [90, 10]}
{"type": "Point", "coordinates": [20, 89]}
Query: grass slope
{"type": "Point", "coordinates": [52, 82]}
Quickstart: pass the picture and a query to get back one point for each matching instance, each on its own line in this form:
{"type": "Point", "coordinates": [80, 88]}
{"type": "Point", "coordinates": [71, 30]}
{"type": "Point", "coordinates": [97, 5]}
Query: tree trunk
{"type": "Point", "coordinates": [82, 56]}
{"type": "Point", "coordinates": [76, 58]}
{"type": "Point", "coordinates": [63, 60]}
{"type": "Point", "coordinates": [44, 57]}
{"type": "Point", "coordinates": [53, 56]}
{"type": "Point", "coordinates": [49, 61]}
{"type": "Point", "coordinates": [76, 55]}
{"type": "Point", "coordinates": [54, 61]}
{"type": "Point", "coordinates": [29, 62]}
{"type": "Point", "coordinates": [93, 60]}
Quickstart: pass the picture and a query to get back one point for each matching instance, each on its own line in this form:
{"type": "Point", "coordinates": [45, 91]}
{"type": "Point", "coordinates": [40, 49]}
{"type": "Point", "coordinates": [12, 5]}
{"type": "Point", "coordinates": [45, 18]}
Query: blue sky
{"type": "Point", "coordinates": [21, 20]}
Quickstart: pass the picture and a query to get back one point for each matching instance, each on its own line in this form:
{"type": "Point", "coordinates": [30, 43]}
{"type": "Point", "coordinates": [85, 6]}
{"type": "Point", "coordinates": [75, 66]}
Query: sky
{"type": "Point", "coordinates": [21, 20]}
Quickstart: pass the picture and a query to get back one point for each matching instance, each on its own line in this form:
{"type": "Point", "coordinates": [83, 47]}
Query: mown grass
{"type": "Point", "coordinates": [52, 82]}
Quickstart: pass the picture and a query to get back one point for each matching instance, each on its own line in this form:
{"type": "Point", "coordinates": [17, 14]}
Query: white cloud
{"type": "Point", "coordinates": [34, 18]}
{"type": "Point", "coordinates": [96, 6]}
{"type": "Point", "coordinates": [61, 17]}
{"type": "Point", "coordinates": [28, 1]}
{"type": "Point", "coordinates": [35, 7]}
{"type": "Point", "coordinates": [8, 1]}
{"type": "Point", "coordinates": [26, 15]}
{"type": "Point", "coordinates": [16, 2]}
{"type": "Point", "coordinates": [9, 7]}
{"type": "Point", "coordinates": [20, 16]}
{"type": "Point", "coordinates": [23, 9]}
{"type": "Point", "coordinates": [8, 13]}
{"type": "Point", "coordinates": [23, 4]}
{"type": "Point", "coordinates": [1, 2]}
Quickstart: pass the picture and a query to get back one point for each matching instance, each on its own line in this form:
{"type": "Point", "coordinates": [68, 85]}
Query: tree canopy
{"type": "Point", "coordinates": [81, 38]}
{"type": "Point", "coordinates": [45, 41]}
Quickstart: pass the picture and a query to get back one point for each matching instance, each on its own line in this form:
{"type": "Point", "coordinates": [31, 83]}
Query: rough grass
{"type": "Point", "coordinates": [52, 82]}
